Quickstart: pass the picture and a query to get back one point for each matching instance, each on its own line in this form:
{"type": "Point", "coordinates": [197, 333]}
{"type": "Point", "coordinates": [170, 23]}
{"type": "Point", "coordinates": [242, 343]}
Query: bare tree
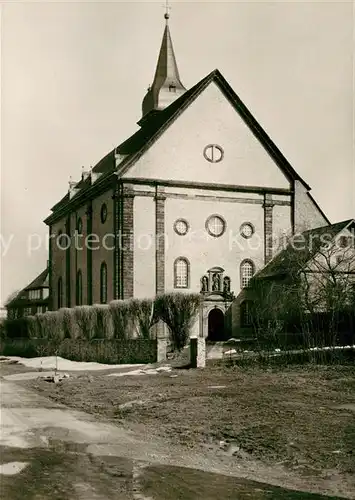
{"type": "Point", "coordinates": [11, 297]}
{"type": "Point", "coordinates": [310, 291]}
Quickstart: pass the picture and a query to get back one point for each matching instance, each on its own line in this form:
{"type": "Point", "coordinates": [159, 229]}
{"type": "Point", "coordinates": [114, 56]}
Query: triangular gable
{"type": "Point", "coordinates": [152, 130]}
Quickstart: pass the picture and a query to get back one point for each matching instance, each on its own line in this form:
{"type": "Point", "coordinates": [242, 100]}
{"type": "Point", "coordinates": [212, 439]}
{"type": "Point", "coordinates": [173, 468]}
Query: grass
{"type": "Point", "coordinates": [170, 483]}
{"type": "Point", "coordinates": [287, 415]}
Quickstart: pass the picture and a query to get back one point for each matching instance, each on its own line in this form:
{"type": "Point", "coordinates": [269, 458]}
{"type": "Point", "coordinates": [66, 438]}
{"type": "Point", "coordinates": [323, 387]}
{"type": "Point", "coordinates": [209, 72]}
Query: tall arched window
{"type": "Point", "coordinates": [79, 288]}
{"type": "Point", "coordinates": [247, 270]}
{"type": "Point", "coordinates": [60, 293]}
{"type": "Point", "coordinates": [103, 283]}
{"type": "Point", "coordinates": [181, 273]}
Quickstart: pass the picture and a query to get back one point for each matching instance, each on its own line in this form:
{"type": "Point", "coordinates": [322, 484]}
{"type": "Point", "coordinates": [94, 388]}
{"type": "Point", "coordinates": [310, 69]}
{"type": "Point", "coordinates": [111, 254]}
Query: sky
{"type": "Point", "coordinates": [73, 76]}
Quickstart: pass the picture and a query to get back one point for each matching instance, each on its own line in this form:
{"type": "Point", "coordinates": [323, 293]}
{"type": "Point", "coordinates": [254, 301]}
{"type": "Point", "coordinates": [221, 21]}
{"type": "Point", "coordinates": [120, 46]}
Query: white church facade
{"type": "Point", "coordinates": [192, 202]}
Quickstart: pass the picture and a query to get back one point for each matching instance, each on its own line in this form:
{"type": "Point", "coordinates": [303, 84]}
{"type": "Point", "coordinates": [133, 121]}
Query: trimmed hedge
{"type": "Point", "coordinates": [115, 333]}
{"type": "Point", "coordinates": [98, 350]}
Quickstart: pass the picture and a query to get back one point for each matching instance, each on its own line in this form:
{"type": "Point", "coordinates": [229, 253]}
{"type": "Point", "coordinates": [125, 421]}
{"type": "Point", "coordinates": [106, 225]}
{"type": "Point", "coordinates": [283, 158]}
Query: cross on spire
{"type": "Point", "coordinates": [167, 8]}
{"type": "Point", "coordinates": [167, 86]}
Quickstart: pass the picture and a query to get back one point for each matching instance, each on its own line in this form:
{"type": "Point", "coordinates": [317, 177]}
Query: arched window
{"type": "Point", "coordinates": [103, 283]}
{"type": "Point", "coordinates": [181, 273]}
{"type": "Point", "coordinates": [79, 225]}
{"type": "Point", "coordinates": [60, 293]}
{"type": "Point", "coordinates": [247, 270]}
{"type": "Point", "coordinates": [246, 313]}
{"type": "Point", "coordinates": [79, 288]}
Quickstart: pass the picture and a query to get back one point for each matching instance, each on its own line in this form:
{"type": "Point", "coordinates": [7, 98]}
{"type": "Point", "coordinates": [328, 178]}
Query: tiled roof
{"type": "Point", "coordinates": [298, 253]}
{"type": "Point", "coordinates": [42, 280]}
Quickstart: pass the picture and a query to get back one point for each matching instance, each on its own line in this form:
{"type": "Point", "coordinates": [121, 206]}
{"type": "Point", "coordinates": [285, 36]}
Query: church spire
{"type": "Point", "coordinates": [167, 86]}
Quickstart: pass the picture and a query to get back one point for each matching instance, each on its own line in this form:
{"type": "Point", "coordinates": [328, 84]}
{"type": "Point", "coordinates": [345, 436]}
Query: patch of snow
{"type": "Point", "coordinates": [164, 369]}
{"type": "Point", "coordinates": [144, 371]}
{"type": "Point", "coordinates": [12, 468]}
{"type": "Point", "coordinates": [231, 351]}
{"type": "Point", "coordinates": [129, 404]}
{"type": "Point", "coordinates": [49, 363]}
{"type": "Point", "coordinates": [132, 372]}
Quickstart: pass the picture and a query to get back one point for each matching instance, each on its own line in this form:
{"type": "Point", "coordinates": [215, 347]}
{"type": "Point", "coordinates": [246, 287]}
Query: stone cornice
{"type": "Point", "coordinates": [81, 198]}
{"type": "Point", "coordinates": [209, 186]}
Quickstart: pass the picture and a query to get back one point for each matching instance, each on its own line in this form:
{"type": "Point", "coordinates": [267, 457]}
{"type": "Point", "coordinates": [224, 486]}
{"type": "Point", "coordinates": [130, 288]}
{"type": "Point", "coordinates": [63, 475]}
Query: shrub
{"type": "Point", "coordinates": [2, 328]}
{"type": "Point", "coordinates": [17, 328]}
{"type": "Point", "coordinates": [69, 325]}
{"type": "Point", "coordinates": [53, 324]}
{"type": "Point", "coordinates": [142, 312]}
{"type": "Point", "coordinates": [121, 315]}
{"type": "Point", "coordinates": [46, 328]}
{"type": "Point", "coordinates": [85, 318]}
{"type": "Point", "coordinates": [178, 311]}
{"type": "Point", "coordinates": [34, 327]}
{"type": "Point", "coordinates": [104, 328]}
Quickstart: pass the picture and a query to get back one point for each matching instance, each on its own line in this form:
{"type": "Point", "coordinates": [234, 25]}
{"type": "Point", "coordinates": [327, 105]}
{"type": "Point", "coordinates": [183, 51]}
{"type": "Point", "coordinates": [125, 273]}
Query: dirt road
{"type": "Point", "coordinates": [49, 451]}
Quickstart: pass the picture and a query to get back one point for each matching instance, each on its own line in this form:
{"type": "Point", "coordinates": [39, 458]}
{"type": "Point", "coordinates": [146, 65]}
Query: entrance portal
{"type": "Point", "coordinates": [216, 325]}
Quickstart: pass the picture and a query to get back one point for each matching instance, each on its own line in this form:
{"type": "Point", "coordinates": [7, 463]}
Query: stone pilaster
{"type": "Point", "coordinates": [160, 328]}
{"type": "Point", "coordinates": [68, 279]}
{"type": "Point", "coordinates": [89, 253]}
{"type": "Point", "coordinates": [116, 254]}
{"type": "Point", "coordinates": [159, 241]}
{"type": "Point", "coordinates": [50, 273]}
{"type": "Point", "coordinates": [268, 227]}
{"type": "Point", "coordinates": [127, 242]}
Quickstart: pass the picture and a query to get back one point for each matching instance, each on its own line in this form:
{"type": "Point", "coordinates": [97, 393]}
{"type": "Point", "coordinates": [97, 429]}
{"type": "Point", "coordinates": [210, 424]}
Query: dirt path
{"type": "Point", "coordinates": [51, 451]}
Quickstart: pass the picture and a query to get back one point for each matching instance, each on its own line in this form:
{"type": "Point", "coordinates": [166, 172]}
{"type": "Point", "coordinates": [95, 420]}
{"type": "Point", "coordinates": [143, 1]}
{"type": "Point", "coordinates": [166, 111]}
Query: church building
{"type": "Point", "coordinates": [192, 202]}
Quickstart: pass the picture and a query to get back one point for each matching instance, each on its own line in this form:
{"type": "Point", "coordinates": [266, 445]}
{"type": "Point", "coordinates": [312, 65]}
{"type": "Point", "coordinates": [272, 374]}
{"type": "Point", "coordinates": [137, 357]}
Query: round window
{"type": "Point", "coordinates": [215, 225]}
{"type": "Point", "coordinates": [247, 230]}
{"type": "Point", "coordinates": [213, 153]}
{"type": "Point", "coordinates": [103, 213]}
{"type": "Point", "coordinates": [181, 227]}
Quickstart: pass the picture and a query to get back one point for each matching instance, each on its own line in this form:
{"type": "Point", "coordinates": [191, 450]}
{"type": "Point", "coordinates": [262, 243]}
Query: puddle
{"type": "Point", "coordinates": [28, 375]}
{"type": "Point", "coordinates": [350, 406]}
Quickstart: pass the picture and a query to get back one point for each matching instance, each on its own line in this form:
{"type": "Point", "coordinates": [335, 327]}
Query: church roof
{"type": "Point", "coordinates": [299, 252]}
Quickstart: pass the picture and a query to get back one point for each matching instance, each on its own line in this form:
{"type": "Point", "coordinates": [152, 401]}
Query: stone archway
{"type": "Point", "coordinates": [215, 325]}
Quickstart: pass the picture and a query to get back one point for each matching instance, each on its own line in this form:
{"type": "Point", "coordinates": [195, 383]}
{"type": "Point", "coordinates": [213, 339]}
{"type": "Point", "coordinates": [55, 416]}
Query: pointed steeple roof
{"type": "Point", "coordinates": [167, 86]}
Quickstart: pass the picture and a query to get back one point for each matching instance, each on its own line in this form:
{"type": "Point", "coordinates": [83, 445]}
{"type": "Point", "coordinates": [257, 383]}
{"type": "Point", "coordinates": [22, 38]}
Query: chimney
{"type": "Point", "coordinates": [85, 173]}
{"type": "Point", "coordinates": [72, 189]}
